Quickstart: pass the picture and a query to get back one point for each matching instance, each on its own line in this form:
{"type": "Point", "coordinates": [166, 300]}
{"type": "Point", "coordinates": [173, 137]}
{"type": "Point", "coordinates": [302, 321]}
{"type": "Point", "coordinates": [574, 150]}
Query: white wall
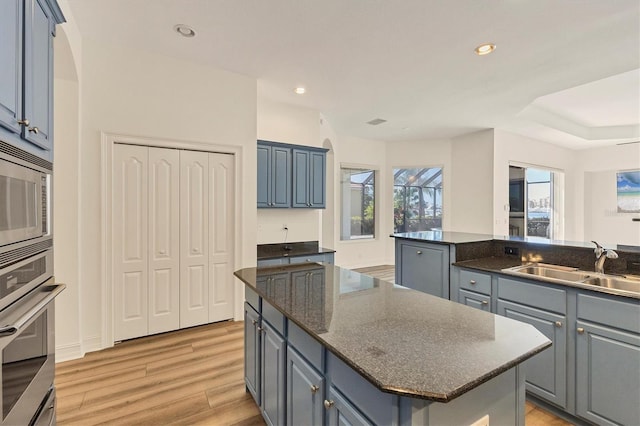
{"type": "Point", "coordinates": [471, 186]}
{"type": "Point", "coordinates": [285, 123]}
{"type": "Point", "coordinates": [511, 148]}
{"type": "Point", "coordinates": [131, 92]}
{"type": "Point", "coordinates": [596, 179]}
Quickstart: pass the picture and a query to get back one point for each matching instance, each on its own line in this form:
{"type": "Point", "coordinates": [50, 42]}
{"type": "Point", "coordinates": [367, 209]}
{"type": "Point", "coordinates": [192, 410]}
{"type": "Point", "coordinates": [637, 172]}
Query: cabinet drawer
{"type": "Point", "coordinates": [310, 348]}
{"type": "Point", "coordinates": [308, 259]}
{"type": "Point", "coordinates": [553, 299]}
{"type": "Point", "coordinates": [475, 300]}
{"type": "Point", "coordinates": [616, 313]}
{"type": "Point", "coordinates": [273, 317]}
{"type": "Point", "coordinates": [475, 281]}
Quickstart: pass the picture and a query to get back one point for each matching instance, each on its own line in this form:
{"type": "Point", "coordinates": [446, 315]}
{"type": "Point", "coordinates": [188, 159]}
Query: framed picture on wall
{"type": "Point", "coordinates": [628, 188]}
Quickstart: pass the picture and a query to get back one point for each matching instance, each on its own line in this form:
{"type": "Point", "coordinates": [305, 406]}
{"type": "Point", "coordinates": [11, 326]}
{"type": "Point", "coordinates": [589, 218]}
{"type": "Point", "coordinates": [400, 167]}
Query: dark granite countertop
{"type": "Point", "coordinates": [294, 249]}
{"type": "Point", "coordinates": [403, 341]}
{"type": "Point", "coordinates": [498, 264]}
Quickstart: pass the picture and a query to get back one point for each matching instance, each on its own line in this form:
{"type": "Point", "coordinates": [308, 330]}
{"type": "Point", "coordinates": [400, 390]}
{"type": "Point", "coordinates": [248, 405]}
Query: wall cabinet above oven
{"type": "Point", "coordinates": [27, 28]}
{"type": "Point", "coordinates": [291, 176]}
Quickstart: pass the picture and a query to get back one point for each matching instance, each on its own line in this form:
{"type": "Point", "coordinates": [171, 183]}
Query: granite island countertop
{"type": "Point", "coordinates": [403, 341]}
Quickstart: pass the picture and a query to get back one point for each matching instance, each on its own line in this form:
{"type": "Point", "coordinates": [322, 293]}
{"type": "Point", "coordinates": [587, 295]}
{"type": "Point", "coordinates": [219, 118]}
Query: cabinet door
{"type": "Point", "coordinates": [164, 240]}
{"type": "Point", "coordinates": [273, 376]}
{"type": "Point", "coordinates": [607, 375]}
{"type": "Point", "coordinates": [11, 64]}
{"type": "Point", "coordinates": [545, 372]}
{"type": "Point", "coordinates": [475, 300]}
{"type": "Point", "coordinates": [301, 179]}
{"type": "Point", "coordinates": [130, 230]}
{"type": "Point", "coordinates": [305, 392]}
{"type": "Point", "coordinates": [194, 257]}
{"type": "Point", "coordinates": [264, 179]}
{"type": "Point", "coordinates": [425, 268]}
{"type": "Point", "coordinates": [252, 352]}
{"type": "Point", "coordinates": [221, 238]}
{"type": "Point", "coordinates": [341, 412]}
{"type": "Point", "coordinates": [38, 74]}
{"type": "Point", "coordinates": [280, 177]}
{"type": "Point", "coordinates": [317, 179]}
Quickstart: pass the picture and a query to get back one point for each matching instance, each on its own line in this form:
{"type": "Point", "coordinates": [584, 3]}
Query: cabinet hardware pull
{"type": "Point", "coordinates": [472, 282]}
{"type": "Point", "coordinates": [308, 260]}
{"type": "Point", "coordinates": [34, 130]}
{"type": "Point", "coordinates": [328, 403]}
{"type": "Point", "coordinates": [558, 324]}
{"type": "Point", "coordinates": [484, 302]}
{"type": "Point", "coordinates": [419, 252]}
{"type": "Point", "coordinates": [580, 330]}
{"type": "Point", "coordinates": [24, 122]}
{"type": "Point", "coordinates": [314, 389]}
{"type": "Point", "coordinates": [254, 322]}
{"type": "Point", "coordinates": [261, 329]}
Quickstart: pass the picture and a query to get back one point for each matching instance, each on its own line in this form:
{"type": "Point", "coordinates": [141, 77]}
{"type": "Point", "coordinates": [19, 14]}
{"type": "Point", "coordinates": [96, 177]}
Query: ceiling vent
{"type": "Point", "coordinates": [376, 121]}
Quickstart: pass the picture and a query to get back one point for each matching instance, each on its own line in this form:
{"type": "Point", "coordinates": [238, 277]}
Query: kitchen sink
{"type": "Point", "coordinates": [618, 283]}
{"type": "Point", "coordinates": [558, 274]}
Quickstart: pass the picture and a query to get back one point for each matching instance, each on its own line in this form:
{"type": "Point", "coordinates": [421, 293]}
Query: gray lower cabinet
{"type": "Point", "coordinates": [423, 267]}
{"type": "Point", "coordinates": [608, 361]}
{"type": "Point", "coordinates": [273, 356]}
{"type": "Point", "coordinates": [546, 374]}
{"type": "Point", "coordinates": [252, 351]}
{"type": "Point", "coordinates": [342, 412]}
{"type": "Point", "coordinates": [475, 300]}
{"type": "Point", "coordinates": [305, 392]}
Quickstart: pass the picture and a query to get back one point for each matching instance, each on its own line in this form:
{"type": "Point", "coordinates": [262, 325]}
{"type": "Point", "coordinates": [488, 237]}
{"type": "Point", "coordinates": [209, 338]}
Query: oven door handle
{"type": "Point", "coordinates": [11, 329]}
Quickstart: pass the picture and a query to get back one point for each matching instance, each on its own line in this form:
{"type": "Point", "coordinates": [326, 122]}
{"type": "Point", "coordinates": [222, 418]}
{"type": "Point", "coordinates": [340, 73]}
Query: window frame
{"type": "Point", "coordinates": [376, 194]}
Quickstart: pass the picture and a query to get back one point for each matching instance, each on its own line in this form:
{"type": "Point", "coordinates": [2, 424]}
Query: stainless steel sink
{"type": "Point", "coordinates": [574, 275]}
{"type": "Point", "coordinates": [617, 283]}
{"type": "Point", "coordinates": [541, 271]}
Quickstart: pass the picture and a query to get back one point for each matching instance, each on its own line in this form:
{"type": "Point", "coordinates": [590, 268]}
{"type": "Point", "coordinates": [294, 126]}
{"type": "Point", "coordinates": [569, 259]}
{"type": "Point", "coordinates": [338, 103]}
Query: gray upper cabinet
{"type": "Point", "coordinates": [27, 28]}
{"type": "Point", "coordinates": [274, 176]}
{"type": "Point", "coordinates": [290, 176]}
{"type": "Point", "coordinates": [309, 179]}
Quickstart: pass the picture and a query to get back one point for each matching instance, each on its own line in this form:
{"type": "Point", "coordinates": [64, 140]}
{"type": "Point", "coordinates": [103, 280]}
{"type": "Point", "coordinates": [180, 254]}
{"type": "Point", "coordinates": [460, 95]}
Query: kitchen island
{"type": "Point", "coordinates": [325, 344]}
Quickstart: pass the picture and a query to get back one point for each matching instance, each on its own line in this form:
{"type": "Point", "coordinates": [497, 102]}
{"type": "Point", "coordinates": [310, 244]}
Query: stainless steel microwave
{"type": "Point", "coordinates": [24, 202]}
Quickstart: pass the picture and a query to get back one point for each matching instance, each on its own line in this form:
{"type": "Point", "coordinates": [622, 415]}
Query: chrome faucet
{"type": "Point", "coordinates": [601, 255]}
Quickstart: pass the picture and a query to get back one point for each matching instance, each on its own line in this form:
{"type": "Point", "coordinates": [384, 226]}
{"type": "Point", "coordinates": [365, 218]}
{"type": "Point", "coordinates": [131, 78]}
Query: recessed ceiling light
{"type": "Point", "coordinates": [300, 90]}
{"type": "Point", "coordinates": [184, 30]}
{"type": "Point", "coordinates": [485, 49]}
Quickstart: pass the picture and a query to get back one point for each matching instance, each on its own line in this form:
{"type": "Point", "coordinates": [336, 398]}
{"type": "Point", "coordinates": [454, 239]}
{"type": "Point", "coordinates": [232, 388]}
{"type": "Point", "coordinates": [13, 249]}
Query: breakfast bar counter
{"type": "Point", "coordinates": [405, 344]}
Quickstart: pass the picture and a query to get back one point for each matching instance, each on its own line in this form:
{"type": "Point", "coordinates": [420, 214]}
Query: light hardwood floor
{"type": "Point", "coordinates": [192, 376]}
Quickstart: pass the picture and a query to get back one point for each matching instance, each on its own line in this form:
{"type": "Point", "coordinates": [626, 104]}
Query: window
{"type": "Point", "coordinates": [417, 199]}
{"type": "Point", "coordinates": [358, 203]}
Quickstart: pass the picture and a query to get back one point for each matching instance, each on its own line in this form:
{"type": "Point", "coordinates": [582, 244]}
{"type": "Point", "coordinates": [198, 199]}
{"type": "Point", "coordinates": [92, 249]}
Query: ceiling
{"type": "Point", "coordinates": [564, 71]}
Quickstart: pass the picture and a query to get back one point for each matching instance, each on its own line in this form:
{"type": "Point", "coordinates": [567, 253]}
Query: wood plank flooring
{"type": "Point", "coordinates": [192, 376]}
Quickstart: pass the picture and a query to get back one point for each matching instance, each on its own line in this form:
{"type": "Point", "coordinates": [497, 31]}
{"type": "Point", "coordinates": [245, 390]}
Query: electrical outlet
{"type": "Point", "coordinates": [483, 421]}
{"type": "Point", "coordinates": [512, 250]}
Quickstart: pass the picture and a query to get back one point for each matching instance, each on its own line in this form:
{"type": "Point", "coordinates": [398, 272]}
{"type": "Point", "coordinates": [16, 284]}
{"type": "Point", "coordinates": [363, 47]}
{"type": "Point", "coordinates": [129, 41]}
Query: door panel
{"type": "Point", "coordinates": [194, 241]}
{"type": "Point", "coordinates": [10, 64]}
{"type": "Point", "coordinates": [221, 236]}
{"type": "Point", "coordinates": [130, 222]}
{"type": "Point", "coordinates": [425, 269]}
{"type": "Point", "coordinates": [273, 373]}
{"type": "Point", "coordinates": [300, 179]}
{"type": "Point", "coordinates": [280, 177]}
{"type": "Point", "coordinates": [317, 176]}
{"type": "Point", "coordinates": [252, 352]}
{"type": "Point", "coordinates": [264, 181]}
{"type": "Point", "coordinates": [164, 240]}
{"type": "Point", "coordinates": [305, 392]}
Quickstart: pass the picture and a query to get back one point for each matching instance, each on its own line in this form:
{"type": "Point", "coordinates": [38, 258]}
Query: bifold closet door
{"type": "Point", "coordinates": [130, 241]}
{"type": "Point", "coordinates": [221, 228]}
{"type": "Point", "coordinates": [194, 238]}
{"type": "Point", "coordinates": [164, 240]}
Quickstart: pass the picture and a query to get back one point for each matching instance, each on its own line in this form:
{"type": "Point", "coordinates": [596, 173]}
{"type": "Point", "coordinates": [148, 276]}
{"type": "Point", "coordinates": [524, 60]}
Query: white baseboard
{"type": "Point", "coordinates": [68, 352]}
{"type": "Point", "coordinates": [92, 344]}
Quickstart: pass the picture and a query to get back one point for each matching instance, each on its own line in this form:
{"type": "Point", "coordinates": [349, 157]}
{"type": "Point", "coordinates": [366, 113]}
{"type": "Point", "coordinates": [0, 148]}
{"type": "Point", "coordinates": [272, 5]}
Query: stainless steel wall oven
{"type": "Point", "coordinates": [27, 292]}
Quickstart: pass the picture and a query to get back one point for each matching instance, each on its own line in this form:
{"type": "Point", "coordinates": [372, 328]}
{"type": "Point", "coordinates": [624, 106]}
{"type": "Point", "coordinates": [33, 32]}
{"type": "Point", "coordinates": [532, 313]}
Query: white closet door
{"type": "Point", "coordinates": [194, 241]}
{"type": "Point", "coordinates": [221, 228]}
{"type": "Point", "coordinates": [164, 240]}
{"type": "Point", "coordinates": [130, 224]}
